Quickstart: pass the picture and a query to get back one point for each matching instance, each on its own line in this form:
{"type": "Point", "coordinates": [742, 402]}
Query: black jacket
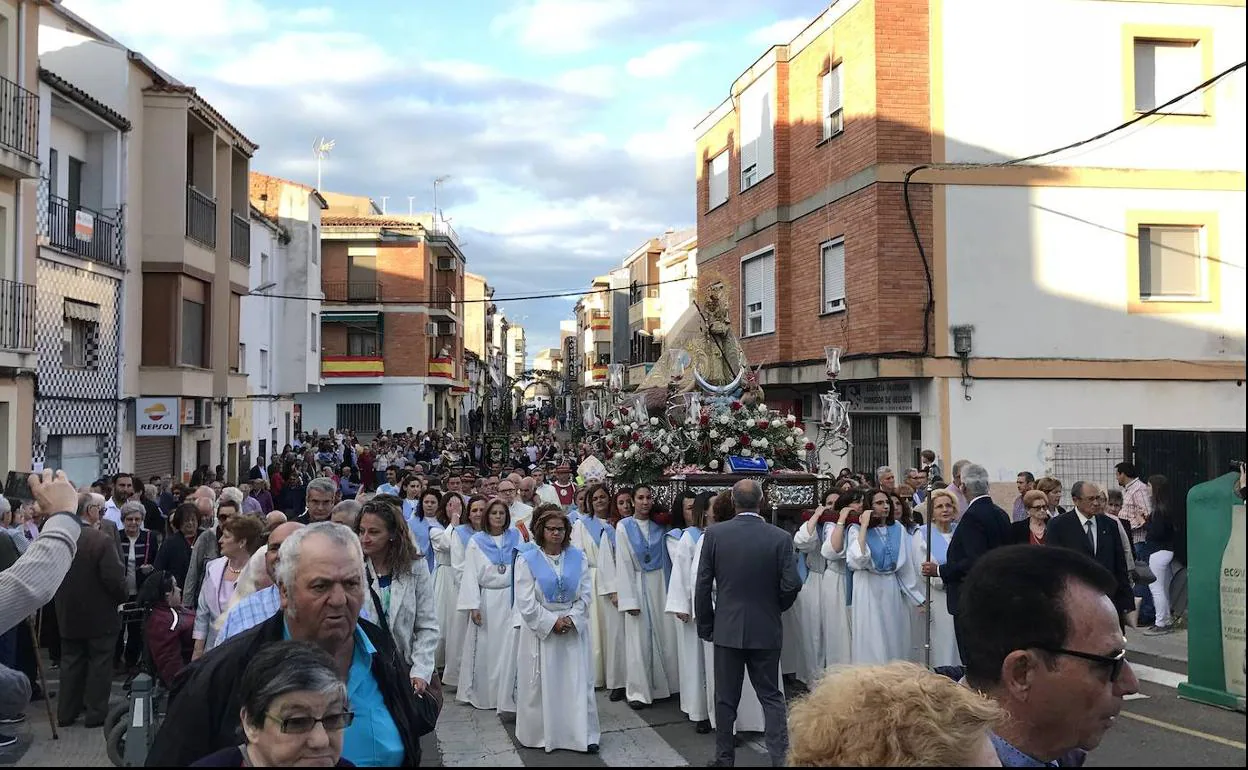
{"type": "Point", "coordinates": [983, 526]}
{"type": "Point", "coordinates": [1065, 531]}
{"type": "Point", "coordinates": [204, 703]}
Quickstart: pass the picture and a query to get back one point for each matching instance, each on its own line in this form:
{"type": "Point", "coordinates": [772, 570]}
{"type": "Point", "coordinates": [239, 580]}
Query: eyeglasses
{"type": "Point", "coordinates": [1038, 507]}
{"type": "Point", "coordinates": [301, 725]}
{"type": "Point", "coordinates": [1114, 663]}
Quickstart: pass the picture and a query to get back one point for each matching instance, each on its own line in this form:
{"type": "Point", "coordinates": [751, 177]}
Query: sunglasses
{"type": "Point", "coordinates": [302, 725]}
{"type": "Point", "coordinates": [1113, 664]}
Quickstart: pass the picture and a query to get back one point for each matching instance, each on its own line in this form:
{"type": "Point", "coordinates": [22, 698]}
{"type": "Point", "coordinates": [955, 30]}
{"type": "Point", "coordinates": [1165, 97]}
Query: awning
{"type": "Point", "coordinates": [82, 311]}
{"type": "Point", "coordinates": [350, 317]}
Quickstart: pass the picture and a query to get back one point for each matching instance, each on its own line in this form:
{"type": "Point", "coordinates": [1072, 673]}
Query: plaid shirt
{"type": "Point", "coordinates": [1136, 508]}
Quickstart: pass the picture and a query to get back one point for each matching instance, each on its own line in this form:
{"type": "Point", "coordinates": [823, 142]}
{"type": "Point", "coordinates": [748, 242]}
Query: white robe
{"type": "Point", "coordinates": [553, 669]}
{"type": "Point", "coordinates": [604, 618]}
{"type": "Point", "coordinates": [445, 588]}
{"type": "Point", "coordinates": [944, 643]}
{"type": "Point", "coordinates": [834, 602]}
{"type": "Point", "coordinates": [688, 645]}
{"type": "Point", "coordinates": [508, 674]}
{"type": "Point", "coordinates": [883, 602]}
{"type": "Point", "coordinates": [749, 709]}
{"type": "Point", "coordinates": [484, 588]}
{"type": "Point", "coordinates": [614, 656]}
{"type": "Point", "coordinates": [456, 626]}
{"type": "Point", "coordinates": [651, 662]}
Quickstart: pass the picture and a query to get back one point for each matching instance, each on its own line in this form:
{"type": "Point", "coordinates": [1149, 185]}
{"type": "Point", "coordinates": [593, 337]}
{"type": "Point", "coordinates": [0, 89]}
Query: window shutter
{"type": "Point", "coordinates": [833, 276]}
{"type": "Point", "coordinates": [719, 179]}
{"type": "Point", "coordinates": [751, 284]}
{"type": "Point", "coordinates": [766, 134]}
{"type": "Point", "coordinates": [833, 114]}
{"type": "Point", "coordinates": [751, 121]}
{"type": "Point", "coordinates": [1177, 67]}
{"type": "Point", "coordinates": [767, 266]}
{"type": "Point", "coordinates": [1170, 262]}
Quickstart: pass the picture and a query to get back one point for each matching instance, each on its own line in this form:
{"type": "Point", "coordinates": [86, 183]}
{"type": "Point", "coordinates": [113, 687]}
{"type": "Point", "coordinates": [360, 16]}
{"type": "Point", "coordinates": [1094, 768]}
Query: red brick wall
{"type": "Point", "coordinates": [333, 339]}
{"type": "Point", "coordinates": [406, 350]}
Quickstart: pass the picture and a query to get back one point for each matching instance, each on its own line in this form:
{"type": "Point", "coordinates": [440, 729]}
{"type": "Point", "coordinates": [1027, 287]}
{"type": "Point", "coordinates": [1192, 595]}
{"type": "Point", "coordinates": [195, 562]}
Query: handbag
{"type": "Point", "coordinates": [1143, 574]}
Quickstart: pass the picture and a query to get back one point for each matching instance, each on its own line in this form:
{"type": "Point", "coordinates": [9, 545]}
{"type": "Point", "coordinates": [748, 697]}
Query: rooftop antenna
{"type": "Point", "coordinates": [384, 198]}
{"type": "Point", "coordinates": [410, 198]}
{"type": "Point", "coordinates": [436, 183]}
{"type": "Point", "coordinates": [321, 149]}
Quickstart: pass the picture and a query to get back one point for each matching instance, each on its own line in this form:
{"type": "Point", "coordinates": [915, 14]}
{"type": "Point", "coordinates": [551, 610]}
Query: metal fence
{"type": "Point", "coordinates": [1094, 462]}
{"type": "Point", "coordinates": [17, 315]}
{"type": "Point", "coordinates": [96, 239]}
{"type": "Point", "coordinates": [352, 291]}
{"type": "Point", "coordinates": [201, 217]}
{"type": "Point", "coordinates": [240, 239]}
{"type": "Point", "coordinates": [19, 118]}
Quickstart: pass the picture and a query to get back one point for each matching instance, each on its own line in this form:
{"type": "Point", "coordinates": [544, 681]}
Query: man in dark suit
{"type": "Point", "coordinates": [752, 570]}
{"type": "Point", "coordinates": [983, 527]}
{"type": "Point", "coordinates": [86, 613]}
{"type": "Point", "coordinates": [1096, 535]}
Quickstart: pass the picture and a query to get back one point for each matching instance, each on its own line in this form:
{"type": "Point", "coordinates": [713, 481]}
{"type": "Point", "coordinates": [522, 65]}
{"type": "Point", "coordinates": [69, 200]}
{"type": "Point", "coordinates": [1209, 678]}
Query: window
{"type": "Point", "coordinates": [757, 157]}
{"type": "Point", "coordinates": [313, 333]}
{"type": "Point", "coordinates": [316, 244]}
{"type": "Point", "coordinates": [54, 174]}
{"type": "Point", "coordinates": [242, 358]}
{"type": "Point", "coordinates": [1163, 70]}
{"type": "Point", "coordinates": [602, 352]}
{"type": "Point", "coordinates": [833, 99]}
{"type": "Point", "coordinates": [362, 277]}
{"type": "Point", "coordinates": [1171, 263]}
{"type": "Point", "coordinates": [758, 294]}
{"type": "Point", "coordinates": [266, 276]}
{"type": "Point", "coordinates": [264, 375]}
{"type": "Point", "coordinates": [361, 343]}
{"type": "Point", "coordinates": [832, 256]}
{"type": "Point", "coordinates": [78, 345]}
{"type": "Point", "coordinates": [193, 334]}
{"type": "Point", "coordinates": [718, 176]}
{"type": "Point", "coordinates": [361, 418]}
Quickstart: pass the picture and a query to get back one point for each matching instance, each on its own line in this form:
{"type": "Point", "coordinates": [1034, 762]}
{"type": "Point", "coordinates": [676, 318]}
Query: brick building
{"type": "Point", "coordinates": [800, 215]}
{"type": "Point", "coordinates": [391, 329]}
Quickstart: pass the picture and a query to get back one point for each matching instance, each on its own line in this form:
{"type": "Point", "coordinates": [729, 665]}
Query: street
{"type": "Point", "coordinates": [1156, 729]}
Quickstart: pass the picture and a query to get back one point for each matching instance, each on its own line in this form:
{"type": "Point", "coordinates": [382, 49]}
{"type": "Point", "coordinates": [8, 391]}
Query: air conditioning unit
{"type": "Point", "coordinates": [203, 412]}
{"type": "Point", "coordinates": [446, 263]}
{"type": "Point", "coordinates": [431, 329]}
{"type": "Point", "coordinates": [446, 328]}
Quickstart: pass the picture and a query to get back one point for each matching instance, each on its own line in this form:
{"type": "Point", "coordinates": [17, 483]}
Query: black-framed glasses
{"type": "Point", "coordinates": [1114, 663]}
{"type": "Point", "coordinates": [302, 725]}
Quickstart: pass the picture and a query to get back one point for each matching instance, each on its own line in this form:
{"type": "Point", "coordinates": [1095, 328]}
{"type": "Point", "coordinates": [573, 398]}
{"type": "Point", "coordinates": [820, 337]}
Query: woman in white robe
{"type": "Point", "coordinates": [485, 594]}
{"type": "Point", "coordinates": [886, 584]}
{"type": "Point", "coordinates": [680, 607]}
{"type": "Point", "coordinates": [811, 623]}
{"type": "Point", "coordinates": [445, 585]}
{"type": "Point", "coordinates": [508, 679]}
{"type": "Point", "coordinates": [604, 619]}
{"type": "Point", "coordinates": [944, 644]}
{"type": "Point", "coordinates": [457, 621]}
{"type": "Point", "coordinates": [834, 584]}
{"type": "Point", "coordinates": [642, 564]}
{"type": "Point", "coordinates": [553, 597]}
{"type": "Point", "coordinates": [749, 709]}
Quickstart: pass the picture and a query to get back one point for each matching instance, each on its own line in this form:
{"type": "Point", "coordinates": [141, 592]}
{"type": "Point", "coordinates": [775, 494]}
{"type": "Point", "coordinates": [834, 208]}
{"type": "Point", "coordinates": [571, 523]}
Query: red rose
{"type": "Point", "coordinates": [610, 442]}
{"type": "Point", "coordinates": [704, 419]}
{"type": "Point", "coordinates": [763, 424]}
{"type": "Point", "coordinates": [736, 406]}
{"type": "Point", "coordinates": [636, 436]}
{"type": "Point", "coordinates": [745, 440]}
{"type": "Point", "coordinates": [810, 445]}
{"type": "Point", "coordinates": [623, 410]}
{"type": "Point", "coordinates": [649, 444]}
{"type": "Point", "coordinates": [609, 424]}
{"type": "Point", "coordinates": [610, 454]}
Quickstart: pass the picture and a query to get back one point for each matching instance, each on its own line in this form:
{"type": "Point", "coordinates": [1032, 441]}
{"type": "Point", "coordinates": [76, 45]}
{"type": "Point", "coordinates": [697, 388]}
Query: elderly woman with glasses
{"type": "Point", "coordinates": [553, 674]}
{"type": "Point", "coordinates": [293, 711]}
{"type": "Point", "coordinates": [1031, 529]}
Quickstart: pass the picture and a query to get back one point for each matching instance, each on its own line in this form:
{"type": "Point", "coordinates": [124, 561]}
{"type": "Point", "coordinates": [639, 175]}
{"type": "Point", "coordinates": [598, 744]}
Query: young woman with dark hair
{"type": "Point", "coordinates": [886, 583]}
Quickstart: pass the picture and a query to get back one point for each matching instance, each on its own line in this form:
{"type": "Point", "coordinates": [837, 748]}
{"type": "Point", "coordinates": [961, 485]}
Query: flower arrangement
{"type": "Point", "coordinates": [641, 449]}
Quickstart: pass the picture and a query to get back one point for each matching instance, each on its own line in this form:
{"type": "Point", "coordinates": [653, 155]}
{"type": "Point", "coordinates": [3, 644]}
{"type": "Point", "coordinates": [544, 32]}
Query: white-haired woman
{"type": "Point", "coordinates": [941, 507]}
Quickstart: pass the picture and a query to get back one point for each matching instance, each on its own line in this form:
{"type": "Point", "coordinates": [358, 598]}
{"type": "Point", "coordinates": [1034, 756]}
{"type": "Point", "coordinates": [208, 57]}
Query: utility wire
{"type": "Point", "coordinates": [930, 309]}
{"type": "Point", "coordinates": [496, 300]}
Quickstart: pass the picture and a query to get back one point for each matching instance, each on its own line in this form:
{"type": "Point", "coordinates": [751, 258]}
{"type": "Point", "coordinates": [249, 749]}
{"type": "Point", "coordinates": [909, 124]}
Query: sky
{"type": "Point", "coordinates": [565, 126]}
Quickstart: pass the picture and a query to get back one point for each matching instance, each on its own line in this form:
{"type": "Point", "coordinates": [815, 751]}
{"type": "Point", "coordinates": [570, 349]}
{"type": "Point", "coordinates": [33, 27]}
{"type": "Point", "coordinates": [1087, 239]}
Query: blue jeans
{"type": "Point", "coordinates": [8, 645]}
{"type": "Point", "coordinates": [1148, 614]}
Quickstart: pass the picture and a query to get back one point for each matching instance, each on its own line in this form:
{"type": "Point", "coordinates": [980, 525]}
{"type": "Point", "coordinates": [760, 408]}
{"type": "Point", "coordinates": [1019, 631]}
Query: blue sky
{"type": "Point", "coordinates": [565, 125]}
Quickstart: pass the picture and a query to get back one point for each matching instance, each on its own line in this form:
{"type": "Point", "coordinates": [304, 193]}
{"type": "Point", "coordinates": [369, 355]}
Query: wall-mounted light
{"type": "Point", "coordinates": [832, 353]}
{"type": "Point", "coordinates": [963, 344]}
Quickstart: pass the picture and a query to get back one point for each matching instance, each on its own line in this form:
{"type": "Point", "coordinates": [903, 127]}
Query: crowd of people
{"type": "Point", "coordinates": [319, 607]}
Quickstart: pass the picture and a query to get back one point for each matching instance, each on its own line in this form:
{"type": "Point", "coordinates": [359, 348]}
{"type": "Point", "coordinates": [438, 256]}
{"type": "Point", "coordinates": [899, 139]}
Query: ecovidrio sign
{"type": "Point", "coordinates": [156, 417]}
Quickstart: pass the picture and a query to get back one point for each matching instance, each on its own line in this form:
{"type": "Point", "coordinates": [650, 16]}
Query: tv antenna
{"type": "Point", "coordinates": [321, 149]}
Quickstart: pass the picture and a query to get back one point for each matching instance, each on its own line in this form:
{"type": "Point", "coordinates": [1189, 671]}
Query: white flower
{"type": "Point", "coordinates": [727, 446]}
{"type": "Point", "coordinates": [633, 426]}
{"type": "Point", "coordinates": [762, 409]}
{"type": "Point", "coordinates": [746, 452]}
{"type": "Point", "coordinates": [724, 419]}
{"type": "Point", "coordinates": [654, 420]}
{"type": "Point", "coordinates": [714, 464]}
{"type": "Point", "coordinates": [770, 463]}
{"type": "Point", "coordinates": [798, 432]}
{"type": "Point", "coordinates": [788, 440]}
{"type": "Point", "coordinates": [761, 443]}
{"type": "Point", "coordinates": [714, 434]}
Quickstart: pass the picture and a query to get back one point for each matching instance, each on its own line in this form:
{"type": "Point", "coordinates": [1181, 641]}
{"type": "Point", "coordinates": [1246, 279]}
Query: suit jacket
{"type": "Point", "coordinates": [983, 526]}
{"type": "Point", "coordinates": [752, 568]}
{"type": "Point", "coordinates": [1065, 530]}
{"type": "Point", "coordinates": [86, 602]}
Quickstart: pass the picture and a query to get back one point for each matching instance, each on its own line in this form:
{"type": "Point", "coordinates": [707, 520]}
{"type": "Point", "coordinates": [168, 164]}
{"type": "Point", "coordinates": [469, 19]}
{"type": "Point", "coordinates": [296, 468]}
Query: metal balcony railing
{"type": "Point", "coordinates": [352, 291]}
{"type": "Point", "coordinates": [240, 239]}
{"type": "Point", "coordinates": [442, 298]}
{"type": "Point", "coordinates": [442, 229]}
{"type": "Point", "coordinates": [84, 232]}
{"type": "Point", "coordinates": [17, 316]}
{"type": "Point", "coordinates": [19, 119]}
{"type": "Point", "coordinates": [201, 217]}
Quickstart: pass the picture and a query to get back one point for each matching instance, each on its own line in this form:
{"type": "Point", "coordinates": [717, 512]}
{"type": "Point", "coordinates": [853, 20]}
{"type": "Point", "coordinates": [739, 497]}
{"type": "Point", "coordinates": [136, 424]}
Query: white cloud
{"type": "Point", "coordinates": [561, 26]}
{"type": "Point", "coordinates": [664, 60]}
{"type": "Point", "coordinates": [134, 21]}
{"type": "Point", "coordinates": [779, 33]}
{"type": "Point", "coordinates": [675, 139]}
{"type": "Point", "coordinates": [596, 80]}
{"type": "Point", "coordinates": [312, 16]}
{"type": "Point", "coordinates": [305, 58]}
{"type": "Point", "coordinates": [462, 71]}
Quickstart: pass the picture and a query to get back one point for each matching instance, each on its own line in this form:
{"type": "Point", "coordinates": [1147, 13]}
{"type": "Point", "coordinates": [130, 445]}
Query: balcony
{"type": "Point", "coordinates": [19, 122]}
{"type": "Point", "coordinates": [201, 218]}
{"type": "Point", "coordinates": [17, 316]}
{"type": "Point", "coordinates": [442, 300]}
{"type": "Point", "coordinates": [352, 366]}
{"type": "Point", "coordinates": [361, 292]}
{"type": "Point", "coordinates": [442, 229]}
{"type": "Point", "coordinates": [84, 233]}
{"type": "Point", "coordinates": [600, 320]}
{"type": "Point", "coordinates": [647, 308]}
{"type": "Point", "coordinates": [240, 239]}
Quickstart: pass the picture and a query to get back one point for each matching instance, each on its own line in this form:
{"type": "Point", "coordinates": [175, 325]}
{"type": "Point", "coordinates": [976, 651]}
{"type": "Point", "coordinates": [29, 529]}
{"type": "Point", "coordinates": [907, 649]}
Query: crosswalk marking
{"type": "Point", "coordinates": [1158, 675]}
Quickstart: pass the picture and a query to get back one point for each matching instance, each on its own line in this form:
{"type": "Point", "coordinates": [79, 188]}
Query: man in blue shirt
{"type": "Point", "coordinates": [1039, 634]}
{"type": "Point", "coordinates": [320, 573]}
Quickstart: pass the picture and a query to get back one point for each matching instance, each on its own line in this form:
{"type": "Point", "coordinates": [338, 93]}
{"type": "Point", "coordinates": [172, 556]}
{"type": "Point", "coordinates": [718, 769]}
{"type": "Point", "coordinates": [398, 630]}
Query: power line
{"type": "Point", "coordinates": [930, 308]}
{"type": "Point", "coordinates": [425, 300]}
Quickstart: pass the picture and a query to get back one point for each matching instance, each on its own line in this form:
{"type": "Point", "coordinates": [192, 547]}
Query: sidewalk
{"type": "Point", "coordinates": [1171, 647]}
{"type": "Point", "coordinates": [78, 746]}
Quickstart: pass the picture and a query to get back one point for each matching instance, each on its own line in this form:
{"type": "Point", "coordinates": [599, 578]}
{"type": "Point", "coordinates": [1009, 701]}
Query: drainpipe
{"type": "Point", "coordinates": [123, 154]}
{"type": "Point", "coordinates": [20, 233]}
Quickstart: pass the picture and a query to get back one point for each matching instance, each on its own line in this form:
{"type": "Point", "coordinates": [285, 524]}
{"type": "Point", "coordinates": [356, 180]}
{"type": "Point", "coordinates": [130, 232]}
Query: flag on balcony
{"type": "Point", "coordinates": [442, 366]}
{"type": "Point", "coordinates": [599, 372]}
{"type": "Point", "coordinates": [352, 366]}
